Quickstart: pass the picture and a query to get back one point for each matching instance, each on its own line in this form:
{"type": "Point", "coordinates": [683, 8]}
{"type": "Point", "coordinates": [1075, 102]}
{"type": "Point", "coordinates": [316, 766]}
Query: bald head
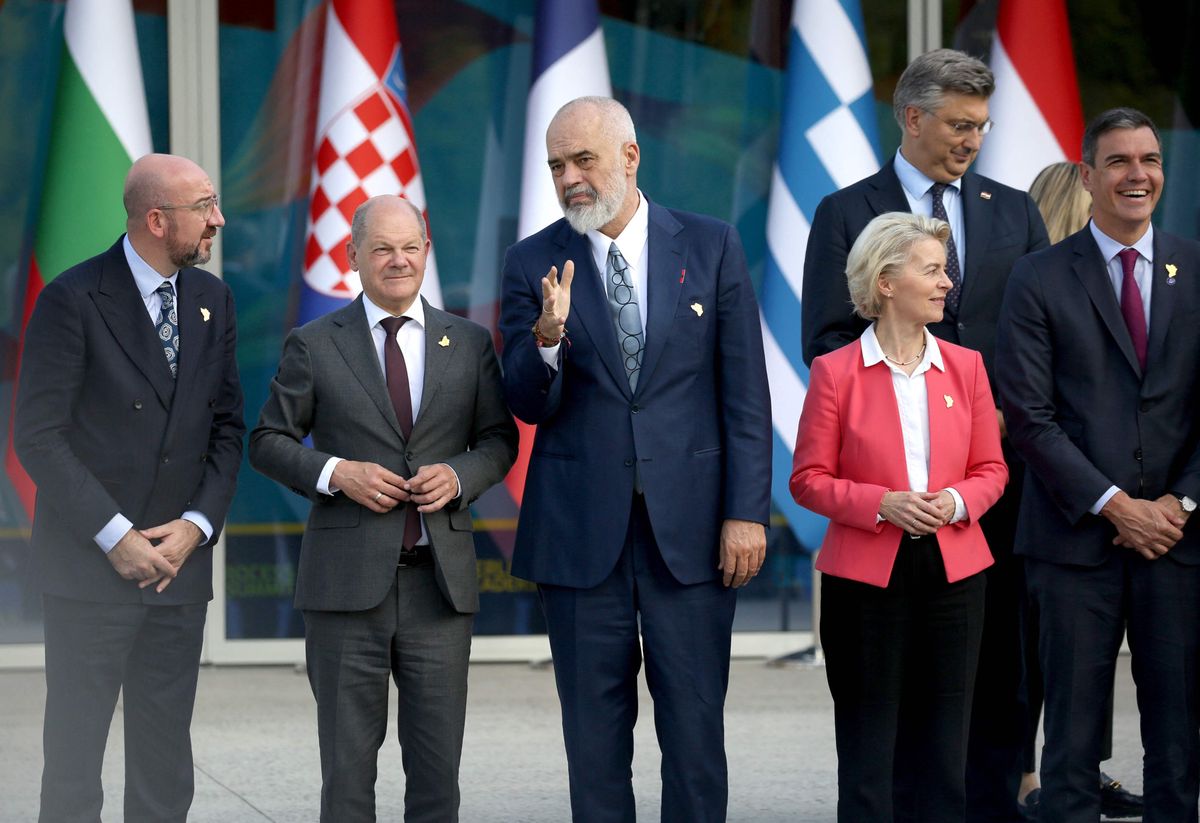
{"type": "Point", "coordinates": [607, 119]}
{"type": "Point", "coordinates": [153, 180]}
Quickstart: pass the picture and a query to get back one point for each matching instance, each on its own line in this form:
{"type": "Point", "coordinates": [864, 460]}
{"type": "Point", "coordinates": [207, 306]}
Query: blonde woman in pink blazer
{"type": "Point", "coordinates": [899, 447]}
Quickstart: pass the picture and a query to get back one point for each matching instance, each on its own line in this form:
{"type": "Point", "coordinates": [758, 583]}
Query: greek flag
{"type": "Point", "coordinates": [827, 141]}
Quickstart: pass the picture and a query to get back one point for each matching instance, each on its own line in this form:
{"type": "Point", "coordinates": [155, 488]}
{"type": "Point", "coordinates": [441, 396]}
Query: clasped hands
{"type": "Point", "coordinates": [381, 490]}
{"type": "Point", "coordinates": [137, 557]}
{"type": "Point", "coordinates": [918, 513]}
{"type": "Point", "coordinates": [1149, 527]}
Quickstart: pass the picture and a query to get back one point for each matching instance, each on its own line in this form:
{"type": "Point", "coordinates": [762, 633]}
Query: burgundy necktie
{"type": "Point", "coordinates": [397, 384]}
{"type": "Point", "coordinates": [1131, 305]}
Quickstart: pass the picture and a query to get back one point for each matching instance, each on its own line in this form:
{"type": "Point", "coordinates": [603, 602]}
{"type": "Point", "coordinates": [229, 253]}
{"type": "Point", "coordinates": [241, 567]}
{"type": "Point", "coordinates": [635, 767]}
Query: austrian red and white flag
{"type": "Point", "coordinates": [1039, 119]}
{"type": "Point", "coordinates": [364, 147]}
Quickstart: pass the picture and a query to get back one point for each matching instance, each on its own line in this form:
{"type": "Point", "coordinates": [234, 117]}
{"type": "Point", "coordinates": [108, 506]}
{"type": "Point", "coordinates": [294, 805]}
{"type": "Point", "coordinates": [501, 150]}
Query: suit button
{"type": "Point", "coordinates": [628, 463]}
{"type": "Point", "coordinates": [1137, 455]}
{"type": "Point", "coordinates": [1146, 406]}
{"type": "Point", "coordinates": [961, 325]}
{"type": "Point", "coordinates": [137, 405]}
{"type": "Point", "coordinates": [166, 460]}
{"type": "Point", "coordinates": [409, 456]}
{"type": "Point", "coordinates": [635, 408]}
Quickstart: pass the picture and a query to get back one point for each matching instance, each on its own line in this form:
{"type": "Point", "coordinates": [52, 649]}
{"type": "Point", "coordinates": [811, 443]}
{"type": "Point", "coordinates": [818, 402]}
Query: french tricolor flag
{"type": "Point", "coordinates": [1036, 106]}
{"type": "Point", "coordinates": [569, 61]}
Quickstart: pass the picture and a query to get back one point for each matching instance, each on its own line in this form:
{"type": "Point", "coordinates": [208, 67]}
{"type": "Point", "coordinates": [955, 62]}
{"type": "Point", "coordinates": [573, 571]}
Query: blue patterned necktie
{"type": "Point", "coordinates": [622, 302]}
{"type": "Point", "coordinates": [952, 269]}
{"type": "Point", "coordinates": [168, 327]}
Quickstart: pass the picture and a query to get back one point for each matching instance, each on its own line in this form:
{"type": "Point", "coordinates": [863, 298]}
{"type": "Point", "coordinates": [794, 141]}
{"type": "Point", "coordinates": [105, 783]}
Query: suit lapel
{"type": "Point", "coordinates": [440, 346]}
{"type": "Point", "coordinates": [193, 333]}
{"type": "Point", "coordinates": [886, 193]}
{"type": "Point", "coordinates": [589, 303]}
{"type": "Point", "coordinates": [978, 216]}
{"type": "Point", "coordinates": [1093, 274]}
{"type": "Point", "coordinates": [1161, 303]}
{"type": "Point", "coordinates": [124, 312]}
{"type": "Point", "coordinates": [353, 339]}
{"type": "Point", "coordinates": [664, 283]}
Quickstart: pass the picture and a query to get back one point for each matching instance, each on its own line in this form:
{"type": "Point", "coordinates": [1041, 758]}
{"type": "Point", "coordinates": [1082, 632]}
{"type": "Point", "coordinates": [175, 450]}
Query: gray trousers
{"type": "Point", "coordinates": [415, 638]}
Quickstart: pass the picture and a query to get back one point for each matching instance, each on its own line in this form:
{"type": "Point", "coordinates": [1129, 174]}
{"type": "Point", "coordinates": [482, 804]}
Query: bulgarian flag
{"type": "Point", "coordinates": [1036, 106]}
{"type": "Point", "coordinates": [100, 126]}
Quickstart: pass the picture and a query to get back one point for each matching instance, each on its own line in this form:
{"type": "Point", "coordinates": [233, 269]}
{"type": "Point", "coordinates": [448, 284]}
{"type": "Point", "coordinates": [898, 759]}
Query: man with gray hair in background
{"type": "Point", "coordinates": [941, 106]}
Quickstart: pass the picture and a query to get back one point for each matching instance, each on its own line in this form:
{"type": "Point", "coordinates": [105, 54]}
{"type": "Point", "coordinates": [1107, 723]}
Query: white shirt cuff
{"type": "Point", "coordinates": [325, 480]}
{"type": "Point", "coordinates": [202, 523]}
{"type": "Point", "coordinates": [108, 537]}
{"type": "Point", "coordinates": [960, 508]}
{"type": "Point", "coordinates": [1104, 498]}
{"type": "Point", "coordinates": [550, 355]}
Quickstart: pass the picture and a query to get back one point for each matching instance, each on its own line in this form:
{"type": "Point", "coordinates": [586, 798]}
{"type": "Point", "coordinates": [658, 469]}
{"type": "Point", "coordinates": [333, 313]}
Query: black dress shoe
{"type": "Point", "coordinates": [1118, 803]}
{"type": "Point", "coordinates": [1029, 808]}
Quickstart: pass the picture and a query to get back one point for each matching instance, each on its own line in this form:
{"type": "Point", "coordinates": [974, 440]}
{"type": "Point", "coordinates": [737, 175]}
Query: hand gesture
{"type": "Point", "coordinates": [369, 484]}
{"type": "Point", "coordinates": [176, 542]}
{"type": "Point", "coordinates": [743, 550]}
{"type": "Point", "coordinates": [1142, 525]}
{"type": "Point", "coordinates": [135, 559]}
{"type": "Point", "coordinates": [432, 487]}
{"type": "Point", "coordinates": [916, 512]}
{"type": "Point", "coordinates": [556, 301]}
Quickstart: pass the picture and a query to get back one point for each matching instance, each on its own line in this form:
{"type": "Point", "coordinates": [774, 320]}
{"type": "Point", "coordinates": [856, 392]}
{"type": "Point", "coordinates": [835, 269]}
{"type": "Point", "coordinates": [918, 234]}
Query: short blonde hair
{"type": "Point", "coordinates": [884, 247]}
{"type": "Point", "coordinates": [1061, 198]}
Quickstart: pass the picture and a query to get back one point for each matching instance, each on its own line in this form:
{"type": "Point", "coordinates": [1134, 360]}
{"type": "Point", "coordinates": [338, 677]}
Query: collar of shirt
{"type": "Point", "coordinates": [415, 313]}
{"type": "Point", "coordinates": [631, 241]}
{"type": "Point", "coordinates": [1110, 248]}
{"type": "Point", "coordinates": [916, 184]}
{"type": "Point", "coordinates": [147, 279]}
{"type": "Point", "coordinates": [872, 353]}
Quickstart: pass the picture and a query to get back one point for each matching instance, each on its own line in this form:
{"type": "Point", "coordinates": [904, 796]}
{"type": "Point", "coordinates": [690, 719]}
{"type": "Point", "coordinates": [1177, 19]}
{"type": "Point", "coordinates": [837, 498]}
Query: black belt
{"type": "Point", "coordinates": [416, 556]}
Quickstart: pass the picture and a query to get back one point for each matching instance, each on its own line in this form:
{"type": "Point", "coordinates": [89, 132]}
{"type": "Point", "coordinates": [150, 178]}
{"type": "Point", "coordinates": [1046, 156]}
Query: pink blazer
{"type": "Point", "coordinates": [850, 451]}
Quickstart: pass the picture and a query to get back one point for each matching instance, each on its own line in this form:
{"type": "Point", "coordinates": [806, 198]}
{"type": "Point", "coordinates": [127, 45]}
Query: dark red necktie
{"type": "Point", "coordinates": [397, 385]}
{"type": "Point", "coordinates": [1131, 305]}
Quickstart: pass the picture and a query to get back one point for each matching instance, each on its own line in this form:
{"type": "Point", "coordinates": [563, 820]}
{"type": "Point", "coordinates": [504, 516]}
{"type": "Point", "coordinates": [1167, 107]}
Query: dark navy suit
{"type": "Point", "coordinates": [698, 429]}
{"type": "Point", "coordinates": [1085, 417]}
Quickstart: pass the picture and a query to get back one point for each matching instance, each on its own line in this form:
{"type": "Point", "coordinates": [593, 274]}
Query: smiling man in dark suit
{"type": "Point", "coordinates": [649, 484]}
{"type": "Point", "coordinates": [406, 413]}
{"type": "Point", "coordinates": [1097, 370]}
{"type": "Point", "coordinates": [129, 420]}
{"type": "Point", "coordinates": [941, 105]}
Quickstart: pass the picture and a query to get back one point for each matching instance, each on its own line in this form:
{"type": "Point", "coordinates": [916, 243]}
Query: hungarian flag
{"type": "Point", "coordinates": [98, 129]}
{"type": "Point", "coordinates": [1036, 106]}
{"type": "Point", "coordinates": [364, 147]}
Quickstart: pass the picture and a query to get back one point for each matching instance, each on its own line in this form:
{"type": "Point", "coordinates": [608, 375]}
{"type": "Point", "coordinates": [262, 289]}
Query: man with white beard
{"type": "Point", "coordinates": [649, 484]}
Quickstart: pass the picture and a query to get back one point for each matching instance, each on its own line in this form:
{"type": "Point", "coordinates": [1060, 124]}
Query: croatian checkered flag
{"type": "Point", "coordinates": [827, 141]}
{"type": "Point", "coordinates": [364, 147]}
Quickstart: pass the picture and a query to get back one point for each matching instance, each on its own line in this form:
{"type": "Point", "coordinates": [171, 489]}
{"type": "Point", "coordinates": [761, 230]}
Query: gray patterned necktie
{"type": "Point", "coordinates": [622, 302]}
{"type": "Point", "coordinates": [168, 327]}
{"type": "Point", "coordinates": [952, 268]}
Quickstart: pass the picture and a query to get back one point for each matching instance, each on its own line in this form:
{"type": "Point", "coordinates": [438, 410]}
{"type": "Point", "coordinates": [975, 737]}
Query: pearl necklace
{"type": "Point", "coordinates": [914, 359]}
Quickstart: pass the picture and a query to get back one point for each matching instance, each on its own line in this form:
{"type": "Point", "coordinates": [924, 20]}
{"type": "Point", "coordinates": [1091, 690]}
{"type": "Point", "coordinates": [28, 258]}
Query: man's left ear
{"type": "Point", "coordinates": [633, 157]}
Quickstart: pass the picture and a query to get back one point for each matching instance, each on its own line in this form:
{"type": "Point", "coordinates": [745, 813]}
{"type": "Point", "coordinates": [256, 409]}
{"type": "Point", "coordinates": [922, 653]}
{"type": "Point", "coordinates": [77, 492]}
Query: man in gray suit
{"type": "Point", "coordinates": [404, 406]}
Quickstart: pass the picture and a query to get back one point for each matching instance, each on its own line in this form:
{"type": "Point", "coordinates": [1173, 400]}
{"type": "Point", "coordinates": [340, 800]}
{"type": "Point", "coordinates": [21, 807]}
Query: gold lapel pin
{"type": "Point", "coordinates": [698, 309]}
{"type": "Point", "coordinates": [444, 342]}
{"type": "Point", "coordinates": [205, 313]}
{"type": "Point", "coordinates": [949, 401]}
{"type": "Point", "coordinates": [1172, 272]}
{"type": "Point", "coordinates": [985, 195]}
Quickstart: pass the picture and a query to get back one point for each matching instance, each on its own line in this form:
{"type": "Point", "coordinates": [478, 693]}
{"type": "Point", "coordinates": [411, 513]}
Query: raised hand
{"type": "Point", "coordinates": [556, 301]}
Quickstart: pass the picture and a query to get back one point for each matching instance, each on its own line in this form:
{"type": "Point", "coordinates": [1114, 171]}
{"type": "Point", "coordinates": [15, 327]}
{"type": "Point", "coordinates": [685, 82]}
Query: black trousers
{"type": "Point", "coordinates": [415, 638]}
{"type": "Point", "coordinates": [685, 637]}
{"type": "Point", "coordinates": [151, 655]}
{"type": "Point", "coordinates": [901, 664]}
{"type": "Point", "coordinates": [1083, 612]}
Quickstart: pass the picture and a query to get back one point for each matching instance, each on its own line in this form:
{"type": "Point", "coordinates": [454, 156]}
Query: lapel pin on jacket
{"type": "Point", "coordinates": [205, 313]}
{"type": "Point", "coordinates": [444, 342]}
{"type": "Point", "coordinates": [985, 195]}
{"type": "Point", "coordinates": [949, 401]}
{"type": "Point", "coordinates": [1171, 274]}
{"type": "Point", "coordinates": [698, 309]}
{"type": "Point", "coordinates": [682, 274]}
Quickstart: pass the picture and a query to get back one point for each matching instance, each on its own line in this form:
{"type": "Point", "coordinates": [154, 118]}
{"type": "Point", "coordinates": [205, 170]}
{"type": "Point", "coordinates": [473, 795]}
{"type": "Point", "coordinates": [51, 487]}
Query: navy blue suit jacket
{"type": "Point", "coordinates": [698, 426]}
{"type": "Point", "coordinates": [1001, 224]}
{"type": "Point", "coordinates": [102, 428]}
{"type": "Point", "coordinates": [1078, 407]}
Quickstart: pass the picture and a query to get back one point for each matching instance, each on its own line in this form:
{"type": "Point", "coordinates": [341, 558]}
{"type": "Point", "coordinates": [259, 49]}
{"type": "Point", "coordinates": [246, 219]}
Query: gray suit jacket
{"type": "Point", "coordinates": [329, 385]}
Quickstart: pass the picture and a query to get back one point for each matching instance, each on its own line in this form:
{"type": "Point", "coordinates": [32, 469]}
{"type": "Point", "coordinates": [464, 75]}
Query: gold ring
{"type": "Point", "coordinates": [377, 496]}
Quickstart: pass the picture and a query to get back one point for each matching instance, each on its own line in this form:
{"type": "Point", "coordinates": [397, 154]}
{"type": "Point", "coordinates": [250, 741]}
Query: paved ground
{"type": "Point", "coordinates": [256, 754]}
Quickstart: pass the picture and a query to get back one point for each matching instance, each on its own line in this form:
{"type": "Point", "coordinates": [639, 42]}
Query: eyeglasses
{"type": "Point", "coordinates": [962, 128]}
{"type": "Point", "coordinates": [204, 208]}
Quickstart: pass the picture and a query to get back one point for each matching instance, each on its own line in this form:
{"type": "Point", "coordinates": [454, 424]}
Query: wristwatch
{"type": "Point", "coordinates": [1186, 503]}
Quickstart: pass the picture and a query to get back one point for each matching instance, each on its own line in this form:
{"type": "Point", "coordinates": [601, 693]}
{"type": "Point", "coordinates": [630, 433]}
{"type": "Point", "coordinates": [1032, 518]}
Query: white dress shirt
{"type": "Point", "coordinates": [912, 399]}
{"type": "Point", "coordinates": [1143, 273]}
{"type": "Point", "coordinates": [147, 280]}
{"type": "Point", "coordinates": [632, 241]}
{"type": "Point", "coordinates": [411, 339]}
{"type": "Point", "coordinates": [920, 201]}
